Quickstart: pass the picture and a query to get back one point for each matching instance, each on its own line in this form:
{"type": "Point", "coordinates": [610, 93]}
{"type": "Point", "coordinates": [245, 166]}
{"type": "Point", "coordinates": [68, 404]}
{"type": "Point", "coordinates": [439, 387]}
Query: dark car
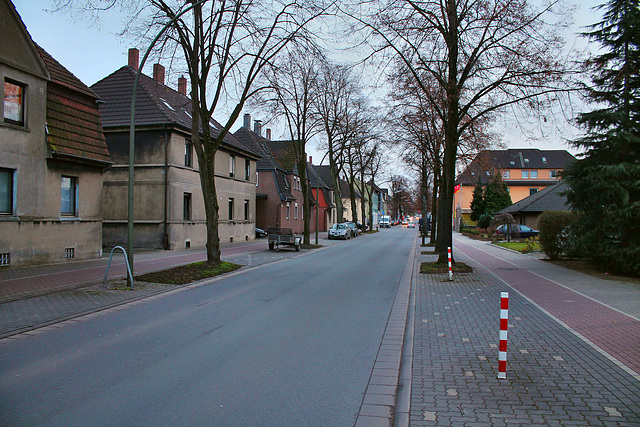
{"type": "Point", "coordinates": [516, 231]}
{"type": "Point", "coordinates": [354, 229]}
{"type": "Point", "coordinates": [260, 232]}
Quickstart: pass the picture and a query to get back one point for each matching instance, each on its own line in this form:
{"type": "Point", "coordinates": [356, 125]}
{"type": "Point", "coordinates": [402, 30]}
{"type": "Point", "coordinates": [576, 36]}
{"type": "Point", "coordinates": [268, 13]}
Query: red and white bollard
{"type": "Point", "coordinates": [450, 268]}
{"type": "Point", "coordinates": [504, 324]}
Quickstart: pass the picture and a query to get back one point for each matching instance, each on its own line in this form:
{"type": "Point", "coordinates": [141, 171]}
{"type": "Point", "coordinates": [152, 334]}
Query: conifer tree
{"type": "Point", "coordinates": [496, 195]}
{"type": "Point", "coordinates": [478, 205]}
{"type": "Point", "coordinates": [605, 183]}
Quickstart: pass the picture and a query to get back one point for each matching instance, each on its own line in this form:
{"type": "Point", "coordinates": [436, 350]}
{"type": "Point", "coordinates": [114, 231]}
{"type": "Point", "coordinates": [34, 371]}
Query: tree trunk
{"type": "Point", "coordinates": [445, 209]}
{"type": "Point", "coordinates": [306, 214]}
{"type": "Point", "coordinates": [337, 194]}
{"type": "Point", "coordinates": [210, 195]}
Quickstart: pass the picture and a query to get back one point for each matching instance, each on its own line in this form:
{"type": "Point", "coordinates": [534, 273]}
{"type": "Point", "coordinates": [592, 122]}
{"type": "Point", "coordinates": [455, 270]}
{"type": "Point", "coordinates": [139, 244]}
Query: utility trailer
{"type": "Point", "coordinates": [279, 236]}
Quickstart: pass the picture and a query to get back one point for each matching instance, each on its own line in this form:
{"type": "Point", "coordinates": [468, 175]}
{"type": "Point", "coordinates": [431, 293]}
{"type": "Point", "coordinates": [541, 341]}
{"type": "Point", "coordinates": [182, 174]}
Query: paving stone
{"type": "Point", "coordinates": [553, 377]}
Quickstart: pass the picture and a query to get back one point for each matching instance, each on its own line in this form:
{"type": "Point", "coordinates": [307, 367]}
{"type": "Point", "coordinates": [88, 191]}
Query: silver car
{"type": "Point", "coordinates": [339, 231]}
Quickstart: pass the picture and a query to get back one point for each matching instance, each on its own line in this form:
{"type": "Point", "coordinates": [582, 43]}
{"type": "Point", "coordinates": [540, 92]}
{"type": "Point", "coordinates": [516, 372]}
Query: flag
{"type": "Point", "coordinates": [456, 188]}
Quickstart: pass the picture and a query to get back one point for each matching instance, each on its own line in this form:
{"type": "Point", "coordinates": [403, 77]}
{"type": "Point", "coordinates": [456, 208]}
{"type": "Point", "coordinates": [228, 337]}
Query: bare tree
{"type": "Point", "coordinates": [484, 56]}
{"type": "Point", "coordinates": [337, 91]}
{"type": "Point", "coordinates": [293, 86]}
{"type": "Point", "coordinates": [226, 46]}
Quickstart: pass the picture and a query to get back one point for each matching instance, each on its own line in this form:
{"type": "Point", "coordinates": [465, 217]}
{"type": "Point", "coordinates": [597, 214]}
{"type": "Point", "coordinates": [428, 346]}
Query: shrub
{"type": "Point", "coordinates": [555, 237]}
{"type": "Point", "coordinates": [484, 221]}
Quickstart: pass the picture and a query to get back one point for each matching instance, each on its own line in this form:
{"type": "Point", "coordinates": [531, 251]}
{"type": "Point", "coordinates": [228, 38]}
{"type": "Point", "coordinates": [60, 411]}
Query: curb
{"type": "Point", "coordinates": [387, 397]}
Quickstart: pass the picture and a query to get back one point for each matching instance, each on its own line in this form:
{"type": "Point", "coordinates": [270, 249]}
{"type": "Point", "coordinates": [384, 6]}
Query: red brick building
{"type": "Point", "coordinates": [279, 201]}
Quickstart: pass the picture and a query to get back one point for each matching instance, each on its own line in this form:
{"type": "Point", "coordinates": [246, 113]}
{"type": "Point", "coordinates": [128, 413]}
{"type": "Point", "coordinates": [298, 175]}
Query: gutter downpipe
{"type": "Point", "coordinates": [132, 134]}
{"type": "Point", "coordinates": [165, 238]}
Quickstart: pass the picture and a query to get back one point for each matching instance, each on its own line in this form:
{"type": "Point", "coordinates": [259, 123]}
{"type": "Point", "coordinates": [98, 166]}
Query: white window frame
{"type": "Point", "coordinates": [232, 165]}
{"type": "Point", "coordinates": [73, 191]}
{"type": "Point", "coordinates": [7, 104]}
{"type": "Point", "coordinates": [525, 174]}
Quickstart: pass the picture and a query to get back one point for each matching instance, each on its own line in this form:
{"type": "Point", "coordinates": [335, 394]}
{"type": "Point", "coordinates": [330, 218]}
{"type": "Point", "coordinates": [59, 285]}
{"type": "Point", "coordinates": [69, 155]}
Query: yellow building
{"type": "Point", "coordinates": [526, 171]}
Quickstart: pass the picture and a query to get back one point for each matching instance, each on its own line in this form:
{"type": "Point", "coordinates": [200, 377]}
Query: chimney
{"type": "Point", "coordinates": [310, 159]}
{"type": "Point", "coordinates": [269, 134]}
{"type": "Point", "coordinates": [134, 55]}
{"type": "Point", "coordinates": [182, 85]}
{"type": "Point", "coordinates": [257, 127]}
{"type": "Point", "coordinates": [247, 121]}
{"type": "Point", "coordinates": [158, 73]}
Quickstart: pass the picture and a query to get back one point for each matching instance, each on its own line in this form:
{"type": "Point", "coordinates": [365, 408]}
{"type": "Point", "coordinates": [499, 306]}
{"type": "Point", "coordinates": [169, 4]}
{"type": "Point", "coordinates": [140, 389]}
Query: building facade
{"type": "Point", "coordinates": [168, 202]}
{"type": "Point", "coordinates": [279, 201]}
{"type": "Point", "coordinates": [525, 171]}
{"type": "Point", "coordinates": [52, 155]}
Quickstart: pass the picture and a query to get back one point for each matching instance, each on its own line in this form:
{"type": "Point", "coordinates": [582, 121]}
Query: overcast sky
{"type": "Point", "coordinates": [94, 52]}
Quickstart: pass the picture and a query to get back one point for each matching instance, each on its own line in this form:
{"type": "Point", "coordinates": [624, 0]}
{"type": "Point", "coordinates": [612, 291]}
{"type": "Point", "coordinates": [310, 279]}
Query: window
{"type": "Point", "coordinates": [506, 174]}
{"type": "Point", "coordinates": [247, 169]}
{"type": "Point", "coordinates": [288, 210]}
{"type": "Point", "coordinates": [533, 191]}
{"type": "Point", "coordinates": [544, 160]}
{"type": "Point", "coordinates": [525, 174]}
{"type": "Point", "coordinates": [14, 103]}
{"type": "Point", "coordinates": [534, 174]}
{"type": "Point", "coordinates": [231, 209]}
{"type": "Point", "coordinates": [186, 206]}
{"type": "Point", "coordinates": [232, 165]}
{"type": "Point", "coordinates": [295, 211]}
{"type": "Point", "coordinates": [69, 196]}
{"type": "Point", "coordinates": [188, 153]}
{"type": "Point", "coordinates": [246, 210]}
{"type": "Point", "coordinates": [553, 174]}
{"type": "Point", "coordinates": [6, 191]}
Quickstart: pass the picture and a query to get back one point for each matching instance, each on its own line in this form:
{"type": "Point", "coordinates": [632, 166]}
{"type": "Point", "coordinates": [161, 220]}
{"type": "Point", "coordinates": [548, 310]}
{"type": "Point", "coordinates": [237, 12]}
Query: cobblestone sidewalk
{"type": "Point", "coordinates": [553, 377]}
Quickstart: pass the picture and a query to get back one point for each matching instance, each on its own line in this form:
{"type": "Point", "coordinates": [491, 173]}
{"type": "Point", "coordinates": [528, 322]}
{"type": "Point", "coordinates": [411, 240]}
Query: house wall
{"type": "Point", "coordinates": [519, 188]}
{"type": "Point", "coordinates": [268, 210]}
{"type": "Point", "coordinates": [348, 214]}
{"type": "Point", "coordinates": [35, 232]}
{"type": "Point", "coordinates": [161, 223]}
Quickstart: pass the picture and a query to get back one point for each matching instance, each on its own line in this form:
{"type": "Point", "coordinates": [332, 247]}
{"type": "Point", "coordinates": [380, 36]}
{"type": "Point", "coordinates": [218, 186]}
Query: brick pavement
{"type": "Point", "coordinates": [553, 376]}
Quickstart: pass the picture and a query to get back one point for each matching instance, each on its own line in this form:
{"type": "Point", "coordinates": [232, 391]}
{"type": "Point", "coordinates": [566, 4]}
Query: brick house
{"type": "Point", "coordinates": [52, 155]}
{"type": "Point", "coordinates": [279, 201]}
{"type": "Point", "coordinates": [169, 207]}
{"type": "Point", "coordinates": [323, 194]}
{"type": "Point", "coordinates": [526, 171]}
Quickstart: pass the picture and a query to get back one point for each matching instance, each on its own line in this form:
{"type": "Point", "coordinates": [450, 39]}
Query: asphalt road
{"type": "Point", "coordinates": [288, 343]}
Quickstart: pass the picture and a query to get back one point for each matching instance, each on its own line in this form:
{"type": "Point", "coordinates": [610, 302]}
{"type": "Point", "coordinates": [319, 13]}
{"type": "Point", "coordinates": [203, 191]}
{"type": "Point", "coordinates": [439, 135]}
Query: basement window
{"type": "Point", "coordinates": [5, 259]}
{"type": "Point", "coordinates": [69, 253]}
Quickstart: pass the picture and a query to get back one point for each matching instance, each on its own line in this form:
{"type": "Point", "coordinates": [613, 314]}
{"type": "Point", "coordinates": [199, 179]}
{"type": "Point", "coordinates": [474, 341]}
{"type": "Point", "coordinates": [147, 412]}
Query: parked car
{"type": "Point", "coordinates": [515, 230]}
{"type": "Point", "coordinates": [260, 232]}
{"type": "Point", "coordinates": [354, 229]}
{"type": "Point", "coordinates": [405, 223]}
{"type": "Point", "coordinates": [411, 224]}
{"type": "Point", "coordinates": [385, 221]}
{"type": "Point", "coordinates": [339, 231]}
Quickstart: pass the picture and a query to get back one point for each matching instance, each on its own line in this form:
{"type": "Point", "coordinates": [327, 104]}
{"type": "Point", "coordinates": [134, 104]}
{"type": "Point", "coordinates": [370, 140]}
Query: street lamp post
{"type": "Point", "coordinates": [318, 193]}
{"type": "Point", "coordinates": [132, 134]}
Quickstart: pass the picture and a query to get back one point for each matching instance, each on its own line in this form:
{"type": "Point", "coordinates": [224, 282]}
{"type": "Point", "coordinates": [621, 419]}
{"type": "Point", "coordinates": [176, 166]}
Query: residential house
{"type": "Point", "coordinates": [323, 172]}
{"type": "Point", "coordinates": [345, 193]}
{"type": "Point", "coordinates": [52, 154]}
{"type": "Point", "coordinates": [279, 201]}
{"type": "Point", "coordinates": [528, 210]}
{"type": "Point", "coordinates": [168, 202]}
{"type": "Point", "coordinates": [323, 193]}
{"type": "Point", "coordinates": [526, 171]}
